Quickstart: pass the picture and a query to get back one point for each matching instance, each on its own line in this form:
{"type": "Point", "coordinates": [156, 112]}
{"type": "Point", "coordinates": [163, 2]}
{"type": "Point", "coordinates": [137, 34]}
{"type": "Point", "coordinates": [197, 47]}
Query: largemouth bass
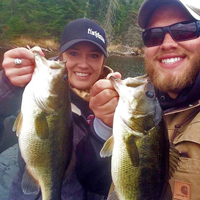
{"type": "Point", "coordinates": [139, 146]}
{"type": "Point", "coordinates": [45, 129]}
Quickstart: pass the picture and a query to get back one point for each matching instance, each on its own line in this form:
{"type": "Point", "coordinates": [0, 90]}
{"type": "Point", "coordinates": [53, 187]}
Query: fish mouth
{"type": "Point", "coordinates": [129, 82]}
{"type": "Point", "coordinates": [116, 82]}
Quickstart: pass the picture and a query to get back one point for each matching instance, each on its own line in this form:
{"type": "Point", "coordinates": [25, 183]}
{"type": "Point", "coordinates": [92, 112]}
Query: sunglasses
{"type": "Point", "coordinates": [181, 31]}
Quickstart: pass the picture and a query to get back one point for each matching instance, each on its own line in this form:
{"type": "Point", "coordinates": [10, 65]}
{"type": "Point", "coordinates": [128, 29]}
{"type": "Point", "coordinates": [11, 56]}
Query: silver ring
{"type": "Point", "coordinates": [18, 62]}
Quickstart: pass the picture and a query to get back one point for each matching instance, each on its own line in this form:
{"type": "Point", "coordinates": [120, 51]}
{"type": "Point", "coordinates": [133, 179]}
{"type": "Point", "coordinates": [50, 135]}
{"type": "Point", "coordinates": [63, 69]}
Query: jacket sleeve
{"type": "Point", "coordinates": [10, 96]}
{"type": "Point", "coordinates": [10, 100]}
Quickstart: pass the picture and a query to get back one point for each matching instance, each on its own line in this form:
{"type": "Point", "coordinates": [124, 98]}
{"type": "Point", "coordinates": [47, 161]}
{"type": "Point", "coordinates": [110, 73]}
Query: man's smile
{"type": "Point", "coordinates": [171, 60]}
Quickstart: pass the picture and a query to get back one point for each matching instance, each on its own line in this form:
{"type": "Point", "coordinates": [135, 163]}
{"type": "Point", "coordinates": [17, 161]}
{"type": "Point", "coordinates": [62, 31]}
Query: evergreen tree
{"type": "Point", "coordinates": [46, 18]}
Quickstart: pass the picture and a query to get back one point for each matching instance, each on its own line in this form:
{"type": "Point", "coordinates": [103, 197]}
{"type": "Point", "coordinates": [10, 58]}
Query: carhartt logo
{"type": "Point", "coordinates": [96, 34]}
{"type": "Point", "coordinates": [182, 190]}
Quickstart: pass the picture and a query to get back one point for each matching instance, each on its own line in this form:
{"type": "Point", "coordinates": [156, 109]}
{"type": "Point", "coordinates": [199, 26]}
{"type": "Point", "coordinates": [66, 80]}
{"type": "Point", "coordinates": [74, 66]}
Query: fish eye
{"type": "Point", "coordinates": [150, 94]}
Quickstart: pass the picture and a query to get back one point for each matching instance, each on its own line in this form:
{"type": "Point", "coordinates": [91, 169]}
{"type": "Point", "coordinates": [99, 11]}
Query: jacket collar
{"type": "Point", "coordinates": [187, 97]}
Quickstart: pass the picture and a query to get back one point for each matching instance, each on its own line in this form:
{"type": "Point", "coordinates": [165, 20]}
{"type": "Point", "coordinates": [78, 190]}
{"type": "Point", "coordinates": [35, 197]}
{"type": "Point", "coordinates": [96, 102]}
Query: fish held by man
{"type": "Point", "coordinates": [139, 145]}
{"type": "Point", "coordinates": [44, 128]}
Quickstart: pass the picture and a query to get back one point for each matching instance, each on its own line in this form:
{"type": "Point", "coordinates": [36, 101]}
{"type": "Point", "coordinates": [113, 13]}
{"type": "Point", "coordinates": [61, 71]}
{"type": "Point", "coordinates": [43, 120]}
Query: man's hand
{"type": "Point", "coordinates": [104, 99]}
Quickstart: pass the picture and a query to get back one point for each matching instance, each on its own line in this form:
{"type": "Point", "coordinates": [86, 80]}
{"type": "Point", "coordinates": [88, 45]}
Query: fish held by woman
{"type": "Point", "coordinates": [139, 145]}
{"type": "Point", "coordinates": [44, 128]}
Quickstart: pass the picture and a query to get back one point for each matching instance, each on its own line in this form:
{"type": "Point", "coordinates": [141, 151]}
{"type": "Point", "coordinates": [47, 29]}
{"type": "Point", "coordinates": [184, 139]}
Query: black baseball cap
{"type": "Point", "coordinates": [192, 7]}
{"type": "Point", "coordinates": [83, 30]}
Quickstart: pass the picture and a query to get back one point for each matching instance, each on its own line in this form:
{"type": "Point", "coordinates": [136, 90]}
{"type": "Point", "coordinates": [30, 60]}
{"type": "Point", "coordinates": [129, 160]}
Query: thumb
{"type": "Point", "coordinates": [115, 74]}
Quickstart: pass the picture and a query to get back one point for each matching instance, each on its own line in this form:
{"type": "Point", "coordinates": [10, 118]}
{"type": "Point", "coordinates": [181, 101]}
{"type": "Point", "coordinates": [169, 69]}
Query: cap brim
{"type": "Point", "coordinates": [69, 44]}
{"type": "Point", "coordinates": [148, 7]}
{"type": "Point", "coordinates": [192, 11]}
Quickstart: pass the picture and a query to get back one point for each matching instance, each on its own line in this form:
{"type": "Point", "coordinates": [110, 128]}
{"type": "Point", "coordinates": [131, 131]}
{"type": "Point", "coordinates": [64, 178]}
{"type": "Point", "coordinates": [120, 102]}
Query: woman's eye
{"type": "Point", "coordinates": [73, 53]}
{"type": "Point", "coordinates": [94, 55]}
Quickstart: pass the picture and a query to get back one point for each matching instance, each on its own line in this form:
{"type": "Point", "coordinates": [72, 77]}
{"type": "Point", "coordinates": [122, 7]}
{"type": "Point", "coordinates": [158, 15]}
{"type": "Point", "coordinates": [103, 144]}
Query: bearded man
{"type": "Point", "coordinates": [172, 61]}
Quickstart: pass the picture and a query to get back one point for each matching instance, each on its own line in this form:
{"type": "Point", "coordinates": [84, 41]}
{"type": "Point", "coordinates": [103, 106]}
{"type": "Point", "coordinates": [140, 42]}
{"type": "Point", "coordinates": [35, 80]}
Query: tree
{"type": "Point", "coordinates": [46, 18]}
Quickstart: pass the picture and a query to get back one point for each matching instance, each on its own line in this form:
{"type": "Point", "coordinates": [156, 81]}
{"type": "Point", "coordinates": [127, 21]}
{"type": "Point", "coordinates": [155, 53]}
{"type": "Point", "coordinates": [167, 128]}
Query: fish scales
{"type": "Point", "coordinates": [45, 129]}
{"type": "Point", "coordinates": [140, 151]}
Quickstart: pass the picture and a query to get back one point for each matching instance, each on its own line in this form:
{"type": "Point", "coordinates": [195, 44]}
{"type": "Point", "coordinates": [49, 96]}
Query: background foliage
{"type": "Point", "coordinates": [46, 19]}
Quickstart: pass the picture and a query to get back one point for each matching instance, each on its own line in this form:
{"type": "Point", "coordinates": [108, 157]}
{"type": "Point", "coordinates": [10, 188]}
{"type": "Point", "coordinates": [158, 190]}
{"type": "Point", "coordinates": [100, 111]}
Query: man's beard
{"type": "Point", "coordinates": [170, 82]}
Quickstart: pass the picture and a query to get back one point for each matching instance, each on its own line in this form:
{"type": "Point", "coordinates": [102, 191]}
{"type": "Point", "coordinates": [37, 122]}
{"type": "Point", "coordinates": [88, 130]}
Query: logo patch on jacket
{"type": "Point", "coordinates": [182, 190]}
{"type": "Point", "coordinates": [89, 119]}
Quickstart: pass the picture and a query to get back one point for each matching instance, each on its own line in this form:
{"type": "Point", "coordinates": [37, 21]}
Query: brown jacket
{"type": "Point", "coordinates": [184, 132]}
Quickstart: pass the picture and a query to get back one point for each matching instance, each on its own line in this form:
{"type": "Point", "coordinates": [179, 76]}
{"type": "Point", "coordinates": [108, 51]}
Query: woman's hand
{"type": "Point", "coordinates": [19, 75]}
{"type": "Point", "coordinates": [104, 99]}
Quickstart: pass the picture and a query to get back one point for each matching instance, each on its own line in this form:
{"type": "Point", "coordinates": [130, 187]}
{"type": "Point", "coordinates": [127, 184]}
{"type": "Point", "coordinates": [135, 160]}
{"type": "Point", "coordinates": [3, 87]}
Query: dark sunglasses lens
{"type": "Point", "coordinates": [183, 31]}
{"type": "Point", "coordinates": [153, 37]}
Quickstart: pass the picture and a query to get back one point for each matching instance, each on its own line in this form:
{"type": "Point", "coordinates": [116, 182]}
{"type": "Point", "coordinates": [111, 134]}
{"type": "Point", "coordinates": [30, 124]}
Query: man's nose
{"type": "Point", "coordinates": [168, 41]}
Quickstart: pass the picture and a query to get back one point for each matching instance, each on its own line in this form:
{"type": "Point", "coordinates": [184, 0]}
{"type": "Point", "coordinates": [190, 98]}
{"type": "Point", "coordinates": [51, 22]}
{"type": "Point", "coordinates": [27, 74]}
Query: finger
{"type": "Point", "coordinates": [19, 71]}
{"type": "Point", "coordinates": [20, 52]}
{"type": "Point", "coordinates": [10, 63]}
{"type": "Point", "coordinates": [105, 109]}
{"type": "Point", "coordinates": [110, 106]}
{"type": "Point", "coordinates": [106, 112]}
{"type": "Point", "coordinates": [21, 81]}
{"type": "Point", "coordinates": [115, 74]}
{"type": "Point", "coordinates": [25, 55]}
{"type": "Point", "coordinates": [103, 97]}
{"type": "Point", "coordinates": [101, 85]}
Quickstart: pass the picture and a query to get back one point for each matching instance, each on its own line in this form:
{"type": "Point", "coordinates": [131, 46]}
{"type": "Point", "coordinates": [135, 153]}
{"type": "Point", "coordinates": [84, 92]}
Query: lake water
{"type": "Point", "coordinates": [127, 66]}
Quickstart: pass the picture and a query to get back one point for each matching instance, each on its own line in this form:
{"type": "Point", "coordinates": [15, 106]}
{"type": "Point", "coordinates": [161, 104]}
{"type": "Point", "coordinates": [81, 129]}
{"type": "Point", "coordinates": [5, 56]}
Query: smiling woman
{"type": "Point", "coordinates": [84, 63]}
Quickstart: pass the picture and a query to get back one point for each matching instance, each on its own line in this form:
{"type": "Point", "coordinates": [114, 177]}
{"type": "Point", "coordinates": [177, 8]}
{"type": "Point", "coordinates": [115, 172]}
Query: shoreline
{"type": "Point", "coordinates": [51, 46]}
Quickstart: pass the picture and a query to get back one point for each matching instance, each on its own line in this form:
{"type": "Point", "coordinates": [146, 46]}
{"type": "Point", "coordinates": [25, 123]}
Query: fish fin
{"type": "Point", "coordinates": [132, 151]}
{"type": "Point", "coordinates": [18, 124]}
{"type": "Point", "coordinates": [41, 126]}
{"type": "Point", "coordinates": [29, 185]}
{"type": "Point", "coordinates": [44, 106]}
{"type": "Point", "coordinates": [174, 159]}
{"type": "Point", "coordinates": [112, 193]}
{"type": "Point", "coordinates": [107, 148]}
{"type": "Point", "coordinates": [113, 196]}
